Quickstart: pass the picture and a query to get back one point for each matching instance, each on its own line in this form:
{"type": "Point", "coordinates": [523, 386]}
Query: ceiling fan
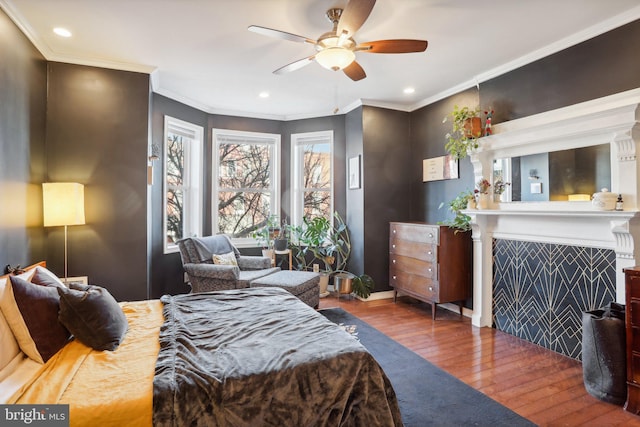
{"type": "Point", "coordinates": [336, 49]}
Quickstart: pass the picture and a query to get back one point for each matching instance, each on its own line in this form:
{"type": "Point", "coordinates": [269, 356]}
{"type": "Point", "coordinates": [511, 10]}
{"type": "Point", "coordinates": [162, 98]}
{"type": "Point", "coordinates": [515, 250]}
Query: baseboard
{"type": "Point", "coordinates": [466, 312]}
{"type": "Point", "coordinates": [377, 295]}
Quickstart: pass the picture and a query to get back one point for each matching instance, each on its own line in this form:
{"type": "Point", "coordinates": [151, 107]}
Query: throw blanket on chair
{"type": "Point", "coordinates": [261, 357]}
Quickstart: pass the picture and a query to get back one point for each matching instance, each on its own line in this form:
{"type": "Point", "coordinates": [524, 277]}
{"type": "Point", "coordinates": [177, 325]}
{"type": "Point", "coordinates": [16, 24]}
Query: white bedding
{"type": "Point", "coordinates": [17, 374]}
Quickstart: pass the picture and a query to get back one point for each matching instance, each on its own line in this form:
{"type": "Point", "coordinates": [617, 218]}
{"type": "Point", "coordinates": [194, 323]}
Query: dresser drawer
{"type": "Point", "coordinates": [415, 233]}
{"type": "Point", "coordinates": [411, 283]}
{"type": "Point", "coordinates": [634, 311]}
{"type": "Point", "coordinates": [414, 266]}
{"type": "Point", "coordinates": [424, 251]}
{"type": "Point", "coordinates": [635, 365]}
{"type": "Point", "coordinates": [633, 283]}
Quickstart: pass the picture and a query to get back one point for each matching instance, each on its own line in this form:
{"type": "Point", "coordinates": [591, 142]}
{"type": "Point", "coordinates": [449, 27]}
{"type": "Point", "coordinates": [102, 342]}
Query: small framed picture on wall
{"type": "Point", "coordinates": [354, 172]}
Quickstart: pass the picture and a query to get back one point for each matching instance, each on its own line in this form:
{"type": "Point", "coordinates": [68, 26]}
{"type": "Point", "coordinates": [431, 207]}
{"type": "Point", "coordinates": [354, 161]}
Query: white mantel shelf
{"type": "Point", "coordinates": [613, 120]}
{"type": "Point", "coordinates": [524, 211]}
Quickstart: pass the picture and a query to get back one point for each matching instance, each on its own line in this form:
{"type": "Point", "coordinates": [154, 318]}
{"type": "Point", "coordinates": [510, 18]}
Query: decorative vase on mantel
{"type": "Point", "coordinates": [484, 200]}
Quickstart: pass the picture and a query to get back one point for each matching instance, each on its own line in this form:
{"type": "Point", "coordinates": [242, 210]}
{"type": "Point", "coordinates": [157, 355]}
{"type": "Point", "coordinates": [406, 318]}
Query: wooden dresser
{"type": "Point", "coordinates": [632, 323]}
{"type": "Point", "coordinates": [430, 262]}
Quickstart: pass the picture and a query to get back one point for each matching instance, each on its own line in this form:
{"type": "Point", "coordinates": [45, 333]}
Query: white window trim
{"type": "Point", "coordinates": [193, 181]}
{"type": "Point", "coordinates": [272, 139]}
{"type": "Point", "coordinates": [298, 140]}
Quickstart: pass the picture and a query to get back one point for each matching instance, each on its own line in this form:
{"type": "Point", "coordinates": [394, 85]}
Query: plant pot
{"type": "Point", "coordinates": [269, 254]}
{"type": "Point", "coordinates": [280, 244]}
{"type": "Point", "coordinates": [343, 283]}
{"type": "Point", "coordinates": [484, 201]}
{"type": "Point", "coordinates": [473, 127]}
{"type": "Point", "coordinates": [324, 283]}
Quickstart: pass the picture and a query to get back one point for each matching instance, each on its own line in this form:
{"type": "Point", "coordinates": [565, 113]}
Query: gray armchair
{"type": "Point", "coordinates": [197, 261]}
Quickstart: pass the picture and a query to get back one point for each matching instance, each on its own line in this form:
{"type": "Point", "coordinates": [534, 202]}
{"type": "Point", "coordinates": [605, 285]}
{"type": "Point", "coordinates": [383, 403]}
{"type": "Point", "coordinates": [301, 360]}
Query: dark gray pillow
{"type": "Point", "coordinates": [92, 315]}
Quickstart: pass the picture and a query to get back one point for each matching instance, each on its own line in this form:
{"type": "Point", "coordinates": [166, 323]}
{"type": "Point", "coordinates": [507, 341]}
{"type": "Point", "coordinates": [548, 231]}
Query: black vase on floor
{"type": "Point", "coordinates": [604, 365]}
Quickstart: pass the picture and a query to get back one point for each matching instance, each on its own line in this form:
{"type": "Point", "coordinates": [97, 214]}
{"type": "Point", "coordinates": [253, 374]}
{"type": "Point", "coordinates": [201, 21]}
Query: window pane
{"type": "Point", "coordinates": [175, 159]}
{"type": "Point", "coordinates": [240, 213]}
{"type": "Point", "coordinates": [317, 203]}
{"type": "Point", "coordinates": [175, 215]}
{"type": "Point", "coordinates": [317, 166]}
{"type": "Point", "coordinates": [244, 166]}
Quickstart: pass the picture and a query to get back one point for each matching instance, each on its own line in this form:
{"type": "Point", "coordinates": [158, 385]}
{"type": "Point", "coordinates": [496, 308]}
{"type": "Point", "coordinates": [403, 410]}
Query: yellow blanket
{"type": "Point", "coordinates": [101, 387]}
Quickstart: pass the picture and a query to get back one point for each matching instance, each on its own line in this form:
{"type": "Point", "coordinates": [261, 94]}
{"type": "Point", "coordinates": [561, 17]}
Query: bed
{"type": "Point", "coordinates": [251, 357]}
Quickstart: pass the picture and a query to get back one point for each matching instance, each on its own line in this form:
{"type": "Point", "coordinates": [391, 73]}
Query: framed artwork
{"type": "Point", "coordinates": [439, 168]}
{"type": "Point", "coordinates": [354, 172]}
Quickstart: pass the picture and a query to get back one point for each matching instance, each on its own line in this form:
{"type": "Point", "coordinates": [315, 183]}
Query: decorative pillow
{"type": "Point", "coordinates": [45, 277]}
{"type": "Point", "coordinates": [8, 345]}
{"type": "Point", "coordinates": [93, 316]}
{"type": "Point", "coordinates": [225, 259]}
{"type": "Point", "coordinates": [32, 314]}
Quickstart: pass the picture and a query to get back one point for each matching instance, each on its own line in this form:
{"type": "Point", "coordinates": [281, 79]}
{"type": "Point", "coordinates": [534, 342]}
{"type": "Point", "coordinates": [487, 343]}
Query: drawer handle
{"type": "Point", "coordinates": [394, 231]}
{"type": "Point", "coordinates": [393, 261]}
{"type": "Point", "coordinates": [393, 246]}
{"type": "Point", "coordinates": [429, 253]}
{"type": "Point", "coordinates": [394, 277]}
{"type": "Point", "coordinates": [430, 270]}
{"type": "Point", "coordinates": [431, 235]}
{"type": "Point", "coordinates": [431, 288]}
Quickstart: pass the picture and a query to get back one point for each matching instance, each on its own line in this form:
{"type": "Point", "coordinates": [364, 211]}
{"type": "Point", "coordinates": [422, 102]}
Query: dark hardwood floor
{"type": "Point", "coordinates": [539, 384]}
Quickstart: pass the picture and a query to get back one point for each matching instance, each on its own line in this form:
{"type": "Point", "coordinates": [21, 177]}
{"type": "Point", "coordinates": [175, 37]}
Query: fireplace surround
{"type": "Point", "coordinates": [557, 227]}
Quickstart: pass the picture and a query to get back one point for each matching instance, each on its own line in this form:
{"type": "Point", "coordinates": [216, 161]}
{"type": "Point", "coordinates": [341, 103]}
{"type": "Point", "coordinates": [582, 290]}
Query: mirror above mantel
{"type": "Point", "coordinates": [564, 175]}
{"type": "Point", "coordinates": [575, 150]}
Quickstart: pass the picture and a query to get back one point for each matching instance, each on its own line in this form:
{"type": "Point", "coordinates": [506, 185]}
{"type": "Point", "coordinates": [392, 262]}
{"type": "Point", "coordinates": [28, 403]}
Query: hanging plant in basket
{"type": "Point", "coordinates": [465, 131]}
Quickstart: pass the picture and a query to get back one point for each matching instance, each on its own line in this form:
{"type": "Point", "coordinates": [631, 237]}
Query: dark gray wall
{"type": "Point", "coordinates": [355, 197]}
{"type": "Point", "coordinates": [23, 85]}
{"type": "Point", "coordinates": [97, 135]}
{"type": "Point", "coordinates": [166, 269]}
{"type": "Point", "coordinates": [386, 184]}
{"type": "Point", "coordinates": [601, 66]}
{"type": "Point", "coordinates": [427, 141]}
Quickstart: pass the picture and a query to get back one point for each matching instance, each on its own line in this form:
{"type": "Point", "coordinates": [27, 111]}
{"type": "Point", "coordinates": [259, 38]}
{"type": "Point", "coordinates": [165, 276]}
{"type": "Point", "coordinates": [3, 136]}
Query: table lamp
{"type": "Point", "coordinates": [63, 204]}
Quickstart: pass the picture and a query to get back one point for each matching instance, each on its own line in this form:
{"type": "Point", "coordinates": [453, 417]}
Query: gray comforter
{"type": "Point", "coordinates": [254, 357]}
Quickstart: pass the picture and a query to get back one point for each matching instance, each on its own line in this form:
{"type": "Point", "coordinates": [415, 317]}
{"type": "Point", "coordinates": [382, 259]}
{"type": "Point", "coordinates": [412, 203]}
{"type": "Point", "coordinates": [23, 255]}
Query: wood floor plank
{"type": "Point", "coordinates": [541, 385]}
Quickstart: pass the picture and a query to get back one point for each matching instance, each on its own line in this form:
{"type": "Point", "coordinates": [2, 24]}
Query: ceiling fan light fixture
{"type": "Point", "coordinates": [335, 58]}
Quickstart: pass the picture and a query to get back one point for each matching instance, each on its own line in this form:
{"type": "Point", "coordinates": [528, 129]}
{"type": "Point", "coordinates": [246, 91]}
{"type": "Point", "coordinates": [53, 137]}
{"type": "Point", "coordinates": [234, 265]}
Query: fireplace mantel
{"type": "Point", "coordinates": [613, 120]}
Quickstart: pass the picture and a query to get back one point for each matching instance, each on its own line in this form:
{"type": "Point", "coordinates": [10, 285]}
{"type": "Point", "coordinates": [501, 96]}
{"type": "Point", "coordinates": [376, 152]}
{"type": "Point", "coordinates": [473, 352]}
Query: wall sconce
{"type": "Point", "coordinates": [63, 204]}
{"type": "Point", "coordinates": [155, 155]}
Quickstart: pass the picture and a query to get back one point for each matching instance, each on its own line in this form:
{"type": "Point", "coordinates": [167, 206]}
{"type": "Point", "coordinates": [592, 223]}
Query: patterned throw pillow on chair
{"type": "Point", "coordinates": [225, 259]}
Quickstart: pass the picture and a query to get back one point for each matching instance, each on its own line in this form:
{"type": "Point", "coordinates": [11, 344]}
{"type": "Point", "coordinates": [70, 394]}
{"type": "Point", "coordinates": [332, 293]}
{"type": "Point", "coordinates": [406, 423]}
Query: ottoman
{"type": "Point", "coordinates": [303, 284]}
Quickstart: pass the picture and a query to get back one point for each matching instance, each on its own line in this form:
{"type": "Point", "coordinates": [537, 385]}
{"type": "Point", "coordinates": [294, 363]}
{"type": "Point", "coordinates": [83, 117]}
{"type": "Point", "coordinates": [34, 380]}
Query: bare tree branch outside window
{"type": "Point", "coordinates": [175, 190]}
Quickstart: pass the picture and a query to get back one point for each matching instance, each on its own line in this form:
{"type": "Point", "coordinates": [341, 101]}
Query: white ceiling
{"type": "Point", "coordinates": [199, 51]}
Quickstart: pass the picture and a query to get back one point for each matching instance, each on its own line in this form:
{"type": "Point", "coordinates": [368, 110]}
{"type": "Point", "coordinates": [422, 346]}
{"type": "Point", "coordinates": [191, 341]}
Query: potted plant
{"type": "Point", "coordinates": [347, 283]}
{"type": "Point", "coordinates": [281, 239]}
{"type": "Point", "coordinates": [318, 241]}
{"type": "Point", "coordinates": [465, 131]}
{"type": "Point", "coordinates": [461, 221]}
{"type": "Point", "coordinates": [265, 235]}
{"type": "Point", "coordinates": [482, 192]}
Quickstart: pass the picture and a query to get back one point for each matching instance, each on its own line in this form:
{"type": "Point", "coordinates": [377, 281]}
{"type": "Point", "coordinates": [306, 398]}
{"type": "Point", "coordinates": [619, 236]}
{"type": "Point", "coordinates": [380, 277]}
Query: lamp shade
{"type": "Point", "coordinates": [335, 58]}
{"type": "Point", "coordinates": [63, 203]}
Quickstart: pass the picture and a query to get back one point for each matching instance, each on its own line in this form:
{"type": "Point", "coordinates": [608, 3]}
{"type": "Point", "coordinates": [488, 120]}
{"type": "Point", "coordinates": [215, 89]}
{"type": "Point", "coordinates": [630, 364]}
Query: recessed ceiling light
{"type": "Point", "coordinates": [264, 94]}
{"type": "Point", "coordinates": [62, 32]}
{"type": "Point", "coordinates": [409, 90]}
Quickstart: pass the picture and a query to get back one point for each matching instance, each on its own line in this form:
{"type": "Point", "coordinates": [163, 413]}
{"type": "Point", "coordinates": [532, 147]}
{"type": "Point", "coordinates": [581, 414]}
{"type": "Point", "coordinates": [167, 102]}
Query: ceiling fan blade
{"type": "Point", "coordinates": [296, 65]}
{"type": "Point", "coordinates": [280, 34]}
{"type": "Point", "coordinates": [393, 46]}
{"type": "Point", "coordinates": [355, 72]}
{"type": "Point", "coordinates": [354, 15]}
